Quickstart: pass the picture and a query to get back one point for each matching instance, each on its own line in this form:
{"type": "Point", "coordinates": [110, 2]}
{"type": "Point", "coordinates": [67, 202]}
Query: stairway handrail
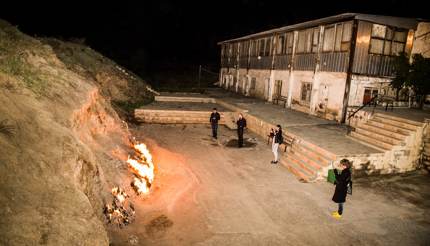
{"type": "Point", "coordinates": [372, 100]}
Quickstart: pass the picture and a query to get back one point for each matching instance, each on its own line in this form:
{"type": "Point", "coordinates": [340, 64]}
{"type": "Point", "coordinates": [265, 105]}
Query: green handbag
{"type": "Point", "coordinates": [331, 178]}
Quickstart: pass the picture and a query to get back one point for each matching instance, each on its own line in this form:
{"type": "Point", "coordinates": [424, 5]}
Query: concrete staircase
{"type": "Point", "coordinates": [383, 131]}
{"type": "Point", "coordinates": [307, 161]}
{"type": "Point", "coordinates": [426, 154]}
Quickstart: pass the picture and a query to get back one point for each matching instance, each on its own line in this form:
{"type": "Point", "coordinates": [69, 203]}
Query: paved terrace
{"type": "Point", "coordinates": [189, 106]}
{"type": "Point", "coordinates": [324, 133]}
{"type": "Point", "coordinates": [407, 113]}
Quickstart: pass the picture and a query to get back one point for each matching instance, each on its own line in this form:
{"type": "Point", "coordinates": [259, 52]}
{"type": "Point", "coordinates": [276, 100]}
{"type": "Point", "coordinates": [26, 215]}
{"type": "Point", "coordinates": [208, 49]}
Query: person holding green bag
{"type": "Point", "coordinates": [342, 181]}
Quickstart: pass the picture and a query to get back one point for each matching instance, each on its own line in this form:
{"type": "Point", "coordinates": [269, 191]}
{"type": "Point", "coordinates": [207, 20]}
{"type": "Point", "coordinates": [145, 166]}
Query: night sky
{"type": "Point", "coordinates": [149, 36]}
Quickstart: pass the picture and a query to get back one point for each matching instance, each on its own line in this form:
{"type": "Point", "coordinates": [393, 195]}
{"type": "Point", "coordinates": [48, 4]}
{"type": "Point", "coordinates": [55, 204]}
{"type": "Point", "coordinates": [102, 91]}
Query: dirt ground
{"type": "Point", "coordinates": [209, 192]}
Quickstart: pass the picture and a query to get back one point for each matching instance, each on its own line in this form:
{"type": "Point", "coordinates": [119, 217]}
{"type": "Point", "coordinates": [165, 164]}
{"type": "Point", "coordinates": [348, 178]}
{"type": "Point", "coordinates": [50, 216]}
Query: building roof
{"type": "Point", "coordinates": [401, 22]}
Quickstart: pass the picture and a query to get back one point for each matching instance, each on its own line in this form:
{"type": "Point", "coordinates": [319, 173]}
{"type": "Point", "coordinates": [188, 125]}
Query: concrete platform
{"type": "Point", "coordinates": [189, 106]}
{"type": "Point", "coordinates": [406, 113]}
{"type": "Point", "coordinates": [219, 195]}
{"type": "Point", "coordinates": [324, 133]}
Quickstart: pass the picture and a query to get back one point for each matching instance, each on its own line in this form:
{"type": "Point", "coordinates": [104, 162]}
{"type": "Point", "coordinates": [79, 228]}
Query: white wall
{"type": "Point", "coordinates": [421, 42]}
{"type": "Point", "coordinates": [359, 84]}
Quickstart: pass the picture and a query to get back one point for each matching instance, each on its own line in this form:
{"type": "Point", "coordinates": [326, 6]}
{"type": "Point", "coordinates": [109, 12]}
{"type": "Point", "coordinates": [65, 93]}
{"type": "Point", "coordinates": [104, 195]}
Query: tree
{"type": "Point", "coordinates": [402, 68]}
{"type": "Point", "coordinates": [419, 76]}
{"type": "Point", "coordinates": [415, 75]}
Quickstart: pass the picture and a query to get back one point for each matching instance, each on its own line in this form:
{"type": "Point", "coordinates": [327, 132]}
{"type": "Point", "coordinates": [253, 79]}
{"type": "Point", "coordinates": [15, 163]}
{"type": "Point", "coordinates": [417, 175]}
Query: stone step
{"type": "Point", "coordinates": [389, 127]}
{"type": "Point", "coordinates": [314, 155]}
{"type": "Point", "coordinates": [396, 123]}
{"type": "Point", "coordinates": [308, 159]}
{"type": "Point", "coordinates": [399, 119]}
{"type": "Point", "coordinates": [378, 136]}
{"type": "Point", "coordinates": [323, 153]}
{"type": "Point", "coordinates": [371, 141]}
{"type": "Point", "coordinates": [309, 168]}
{"type": "Point", "coordinates": [296, 170]}
{"type": "Point", "coordinates": [382, 131]}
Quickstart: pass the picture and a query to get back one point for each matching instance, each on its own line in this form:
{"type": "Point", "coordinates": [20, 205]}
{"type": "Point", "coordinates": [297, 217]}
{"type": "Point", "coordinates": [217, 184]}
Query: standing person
{"type": "Point", "coordinates": [342, 181]}
{"type": "Point", "coordinates": [277, 140]}
{"type": "Point", "coordinates": [241, 124]}
{"type": "Point", "coordinates": [215, 117]}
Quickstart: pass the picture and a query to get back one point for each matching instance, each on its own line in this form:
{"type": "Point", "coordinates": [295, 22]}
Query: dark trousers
{"type": "Point", "coordinates": [214, 130]}
{"type": "Point", "coordinates": [240, 136]}
{"type": "Point", "coordinates": [340, 210]}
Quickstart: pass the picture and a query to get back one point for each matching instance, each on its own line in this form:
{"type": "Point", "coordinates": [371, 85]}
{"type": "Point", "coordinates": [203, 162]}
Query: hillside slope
{"type": "Point", "coordinates": [62, 144]}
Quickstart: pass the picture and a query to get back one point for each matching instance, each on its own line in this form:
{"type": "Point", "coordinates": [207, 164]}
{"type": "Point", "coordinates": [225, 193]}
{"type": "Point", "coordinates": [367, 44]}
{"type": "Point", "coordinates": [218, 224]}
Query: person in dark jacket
{"type": "Point", "coordinates": [342, 181]}
{"type": "Point", "coordinates": [215, 117]}
{"type": "Point", "coordinates": [241, 124]}
{"type": "Point", "coordinates": [277, 140]}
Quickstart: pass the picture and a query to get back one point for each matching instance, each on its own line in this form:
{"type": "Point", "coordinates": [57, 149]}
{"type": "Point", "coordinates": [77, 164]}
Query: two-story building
{"type": "Point", "coordinates": [322, 66]}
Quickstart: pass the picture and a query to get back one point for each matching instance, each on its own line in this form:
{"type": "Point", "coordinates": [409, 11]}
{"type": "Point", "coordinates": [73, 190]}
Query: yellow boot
{"type": "Point", "coordinates": [336, 215]}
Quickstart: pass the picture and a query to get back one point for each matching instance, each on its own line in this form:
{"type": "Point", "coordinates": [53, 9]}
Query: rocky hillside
{"type": "Point", "coordinates": [62, 143]}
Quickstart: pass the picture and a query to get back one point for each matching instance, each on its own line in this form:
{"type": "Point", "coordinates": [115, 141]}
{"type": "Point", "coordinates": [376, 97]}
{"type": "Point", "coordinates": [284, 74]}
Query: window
{"type": "Point", "coordinates": [387, 41]}
{"type": "Point", "coordinates": [244, 48]}
{"type": "Point", "coordinates": [234, 49]}
{"type": "Point", "coordinates": [328, 39]}
{"type": "Point", "coordinates": [278, 88]}
{"type": "Point", "coordinates": [253, 82]}
{"type": "Point", "coordinates": [254, 48]}
{"type": "Point", "coordinates": [289, 42]}
{"type": "Point", "coordinates": [315, 40]}
{"type": "Point", "coordinates": [306, 92]}
{"type": "Point", "coordinates": [337, 37]}
{"type": "Point", "coordinates": [308, 41]}
{"type": "Point", "coordinates": [261, 42]}
{"type": "Point", "coordinates": [267, 46]}
{"type": "Point", "coordinates": [280, 45]}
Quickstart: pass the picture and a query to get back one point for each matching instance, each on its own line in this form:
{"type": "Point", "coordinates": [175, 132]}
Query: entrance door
{"type": "Point", "coordinates": [369, 93]}
{"type": "Point", "coordinates": [267, 88]}
{"type": "Point", "coordinates": [323, 97]}
{"type": "Point", "coordinates": [278, 89]}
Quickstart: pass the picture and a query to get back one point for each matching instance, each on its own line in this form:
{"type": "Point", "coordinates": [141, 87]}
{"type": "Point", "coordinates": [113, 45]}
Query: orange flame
{"type": "Point", "coordinates": [143, 168]}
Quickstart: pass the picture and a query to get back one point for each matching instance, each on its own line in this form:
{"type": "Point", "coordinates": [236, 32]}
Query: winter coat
{"type": "Point", "coordinates": [215, 117]}
{"type": "Point", "coordinates": [241, 123]}
{"type": "Point", "coordinates": [342, 181]}
{"type": "Point", "coordinates": [278, 137]}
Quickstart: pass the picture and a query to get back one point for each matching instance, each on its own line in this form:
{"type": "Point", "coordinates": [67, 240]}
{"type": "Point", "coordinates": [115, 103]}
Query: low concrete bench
{"type": "Point", "coordinates": [288, 141]}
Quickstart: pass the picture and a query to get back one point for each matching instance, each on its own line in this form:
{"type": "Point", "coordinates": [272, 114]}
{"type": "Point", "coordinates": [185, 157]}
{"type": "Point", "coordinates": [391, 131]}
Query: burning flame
{"type": "Point", "coordinates": [119, 194]}
{"type": "Point", "coordinates": [143, 167]}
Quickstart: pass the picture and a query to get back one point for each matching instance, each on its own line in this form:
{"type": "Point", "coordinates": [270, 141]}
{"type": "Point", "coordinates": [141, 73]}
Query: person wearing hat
{"type": "Point", "coordinates": [215, 117]}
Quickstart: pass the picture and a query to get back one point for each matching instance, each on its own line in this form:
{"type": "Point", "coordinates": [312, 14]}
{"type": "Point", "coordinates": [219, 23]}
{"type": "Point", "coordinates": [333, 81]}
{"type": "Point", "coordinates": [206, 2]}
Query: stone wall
{"type": "Point", "coordinates": [401, 158]}
{"type": "Point", "coordinates": [179, 116]}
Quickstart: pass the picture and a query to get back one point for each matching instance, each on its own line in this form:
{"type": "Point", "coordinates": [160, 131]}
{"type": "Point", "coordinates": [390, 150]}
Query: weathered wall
{"type": "Point", "coordinates": [360, 83]}
{"type": "Point", "coordinates": [298, 77]}
{"type": "Point", "coordinates": [260, 85]}
{"type": "Point", "coordinates": [177, 116]}
{"type": "Point", "coordinates": [327, 95]}
{"type": "Point", "coordinates": [422, 39]}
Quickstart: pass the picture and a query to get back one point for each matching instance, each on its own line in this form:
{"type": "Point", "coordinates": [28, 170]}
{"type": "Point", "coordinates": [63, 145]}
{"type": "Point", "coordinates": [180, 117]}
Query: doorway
{"type": "Point", "coordinates": [369, 93]}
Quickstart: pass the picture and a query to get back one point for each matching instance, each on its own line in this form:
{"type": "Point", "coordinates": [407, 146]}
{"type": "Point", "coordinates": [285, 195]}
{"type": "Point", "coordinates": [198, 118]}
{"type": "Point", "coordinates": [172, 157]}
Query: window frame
{"type": "Point", "coordinates": [303, 85]}
{"type": "Point", "coordinates": [391, 40]}
{"type": "Point", "coordinates": [308, 45]}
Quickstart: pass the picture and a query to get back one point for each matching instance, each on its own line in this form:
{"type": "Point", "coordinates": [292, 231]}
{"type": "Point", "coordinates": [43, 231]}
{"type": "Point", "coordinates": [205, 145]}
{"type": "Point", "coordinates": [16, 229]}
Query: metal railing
{"type": "Point", "coordinates": [372, 101]}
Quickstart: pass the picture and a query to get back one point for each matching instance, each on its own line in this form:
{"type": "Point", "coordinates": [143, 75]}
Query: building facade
{"type": "Point", "coordinates": [321, 67]}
